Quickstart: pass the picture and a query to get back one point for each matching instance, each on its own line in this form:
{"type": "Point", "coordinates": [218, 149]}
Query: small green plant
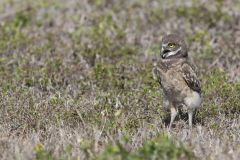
{"type": "Point", "coordinates": [160, 147]}
{"type": "Point", "coordinates": [42, 154]}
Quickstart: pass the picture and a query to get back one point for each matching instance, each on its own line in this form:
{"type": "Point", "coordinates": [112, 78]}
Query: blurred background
{"type": "Point", "coordinates": [76, 79]}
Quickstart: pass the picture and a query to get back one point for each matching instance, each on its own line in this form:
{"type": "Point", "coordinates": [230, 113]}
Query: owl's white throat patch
{"type": "Point", "coordinates": [173, 52]}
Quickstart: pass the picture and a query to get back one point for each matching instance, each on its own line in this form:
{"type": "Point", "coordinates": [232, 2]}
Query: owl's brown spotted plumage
{"type": "Point", "coordinates": [177, 77]}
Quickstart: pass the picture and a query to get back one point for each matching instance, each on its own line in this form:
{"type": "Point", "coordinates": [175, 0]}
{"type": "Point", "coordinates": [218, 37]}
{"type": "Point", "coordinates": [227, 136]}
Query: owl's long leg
{"type": "Point", "coordinates": [190, 117]}
{"type": "Point", "coordinates": [173, 115]}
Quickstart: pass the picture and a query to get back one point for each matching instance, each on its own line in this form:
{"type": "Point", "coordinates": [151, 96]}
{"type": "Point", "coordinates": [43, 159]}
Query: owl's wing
{"type": "Point", "coordinates": [190, 77]}
{"type": "Point", "coordinates": [156, 74]}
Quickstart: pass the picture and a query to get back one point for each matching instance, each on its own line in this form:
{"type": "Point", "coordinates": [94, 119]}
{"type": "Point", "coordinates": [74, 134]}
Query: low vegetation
{"type": "Point", "coordinates": [76, 79]}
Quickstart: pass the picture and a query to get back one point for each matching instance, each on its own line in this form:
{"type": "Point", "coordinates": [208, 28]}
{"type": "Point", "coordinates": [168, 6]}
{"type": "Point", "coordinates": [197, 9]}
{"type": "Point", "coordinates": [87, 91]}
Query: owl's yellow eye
{"type": "Point", "coordinates": [171, 45]}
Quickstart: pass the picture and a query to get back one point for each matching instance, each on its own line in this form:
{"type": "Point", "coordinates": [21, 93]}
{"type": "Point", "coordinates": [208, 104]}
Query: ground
{"type": "Point", "coordinates": [76, 79]}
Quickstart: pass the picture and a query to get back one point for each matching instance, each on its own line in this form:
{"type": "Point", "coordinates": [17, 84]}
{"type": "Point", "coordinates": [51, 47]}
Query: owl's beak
{"type": "Point", "coordinates": [164, 52]}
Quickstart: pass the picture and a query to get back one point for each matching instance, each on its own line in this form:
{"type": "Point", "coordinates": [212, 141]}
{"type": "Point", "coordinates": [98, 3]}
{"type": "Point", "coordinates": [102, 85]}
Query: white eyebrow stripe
{"type": "Point", "coordinates": [173, 52]}
{"type": "Point", "coordinates": [163, 46]}
{"type": "Point", "coordinates": [162, 49]}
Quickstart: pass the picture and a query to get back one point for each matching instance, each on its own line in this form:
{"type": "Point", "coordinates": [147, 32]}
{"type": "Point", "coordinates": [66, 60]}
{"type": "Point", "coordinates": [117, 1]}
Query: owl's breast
{"type": "Point", "coordinates": [173, 85]}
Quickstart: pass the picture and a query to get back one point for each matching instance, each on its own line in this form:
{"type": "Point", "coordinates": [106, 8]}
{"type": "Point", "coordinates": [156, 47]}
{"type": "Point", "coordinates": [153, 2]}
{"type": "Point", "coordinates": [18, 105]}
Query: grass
{"type": "Point", "coordinates": [160, 147]}
{"type": "Point", "coordinates": [76, 80]}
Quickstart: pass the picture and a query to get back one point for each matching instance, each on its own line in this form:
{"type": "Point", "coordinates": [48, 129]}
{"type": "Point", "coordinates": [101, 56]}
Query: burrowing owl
{"type": "Point", "coordinates": [177, 77]}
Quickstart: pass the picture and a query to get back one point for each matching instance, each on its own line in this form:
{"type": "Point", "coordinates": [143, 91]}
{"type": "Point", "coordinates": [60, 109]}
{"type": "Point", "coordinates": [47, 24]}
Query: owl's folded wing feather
{"type": "Point", "coordinates": [190, 77]}
{"type": "Point", "coordinates": [155, 73]}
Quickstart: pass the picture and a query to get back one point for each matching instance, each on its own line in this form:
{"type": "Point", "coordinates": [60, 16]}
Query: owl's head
{"type": "Point", "coordinates": [173, 46]}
